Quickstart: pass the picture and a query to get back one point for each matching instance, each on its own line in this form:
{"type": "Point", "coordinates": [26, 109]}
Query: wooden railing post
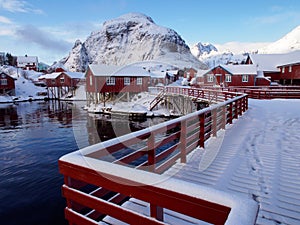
{"type": "Point", "coordinates": [151, 153]}
{"type": "Point", "coordinates": [214, 122]}
{"type": "Point", "coordinates": [230, 113]}
{"type": "Point", "coordinates": [202, 130]}
{"type": "Point", "coordinates": [157, 212]}
{"type": "Point", "coordinates": [224, 117]}
{"type": "Point", "coordinates": [183, 141]}
{"type": "Point", "coordinates": [236, 106]}
{"type": "Point", "coordinates": [240, 106]}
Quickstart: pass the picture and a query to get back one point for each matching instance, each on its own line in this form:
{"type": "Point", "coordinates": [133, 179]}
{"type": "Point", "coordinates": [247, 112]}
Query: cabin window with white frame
{"type": "Point", "coordinates": [139, 81]}
{"type": "Point", "coordinates": [91, 80]}
{"type": "Point", "coordinates": [228, 78]}
{"type": "Point", "coordinates": [62, 80]}
{"type": "Point", "coordinates": [110, 81]}
{"type": "Point", "coordinates": [4, 82]}
{"type": "Point", "coordinates": [290, 69]}
{"type": "Point", "coordinates": [210, 78]}
{"type": "Point", "coordinates": [126, 80]}
{"type": "Point", "coordinates": [245, 78]}
{"type": "Point", "coordinates": [283, 69]}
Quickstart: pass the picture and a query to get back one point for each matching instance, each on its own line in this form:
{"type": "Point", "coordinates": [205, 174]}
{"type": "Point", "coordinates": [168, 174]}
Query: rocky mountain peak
{"type": "Point", "coordinates": [131, 38]}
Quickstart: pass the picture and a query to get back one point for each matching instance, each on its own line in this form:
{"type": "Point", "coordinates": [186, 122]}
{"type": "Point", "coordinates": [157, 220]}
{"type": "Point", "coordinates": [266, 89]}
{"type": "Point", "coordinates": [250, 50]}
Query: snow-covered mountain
{"type": "Point", "coordinates": [210, 55]}
{"type": "Point", "coordinates": [288, 43]}
{"type": "Point", "coordinates": [131, 38]}
{"type": "Point", "coordinates": [236, 52]}
{"type": "Point", "coordinates": [200, 49]}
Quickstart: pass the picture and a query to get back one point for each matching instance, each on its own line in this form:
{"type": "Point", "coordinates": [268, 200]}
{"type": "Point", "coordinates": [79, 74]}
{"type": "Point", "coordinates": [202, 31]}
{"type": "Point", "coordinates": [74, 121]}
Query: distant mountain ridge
{"type": "Point", "coordinates": [212, 56]}
{"type": "Point", "coordinates": [127, 39]}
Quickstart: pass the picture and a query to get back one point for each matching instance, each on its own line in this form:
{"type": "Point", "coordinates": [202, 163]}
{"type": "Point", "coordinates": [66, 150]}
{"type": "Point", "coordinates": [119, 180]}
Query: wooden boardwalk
{"type": "Point", "coordinates": [258, 157]}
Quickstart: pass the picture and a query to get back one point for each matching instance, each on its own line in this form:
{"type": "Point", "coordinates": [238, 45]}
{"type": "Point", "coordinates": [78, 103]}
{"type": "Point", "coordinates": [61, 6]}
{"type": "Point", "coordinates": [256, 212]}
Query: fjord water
{"type": "Point", "coordinates": [33, 136]}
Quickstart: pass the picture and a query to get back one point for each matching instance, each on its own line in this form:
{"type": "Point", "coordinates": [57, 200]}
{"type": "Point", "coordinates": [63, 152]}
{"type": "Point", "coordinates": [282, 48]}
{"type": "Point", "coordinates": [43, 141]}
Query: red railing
{"type": "Point", "coordinates": [99, 178]}
{"type": "Point", "coordinates": [263, 92]}
{"type": "Point", "coordinates": [209, 95]}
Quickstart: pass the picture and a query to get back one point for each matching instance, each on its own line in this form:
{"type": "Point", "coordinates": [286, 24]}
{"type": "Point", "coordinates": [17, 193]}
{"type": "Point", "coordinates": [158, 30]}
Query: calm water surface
{"type": "Point", "coordinates": [33, 136]}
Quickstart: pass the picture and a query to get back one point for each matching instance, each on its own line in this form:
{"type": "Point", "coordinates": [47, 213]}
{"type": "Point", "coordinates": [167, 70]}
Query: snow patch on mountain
{"type": "Point", "coordinates": [130, 38]}
{"type": "Point", "coordinates": [288, 43]}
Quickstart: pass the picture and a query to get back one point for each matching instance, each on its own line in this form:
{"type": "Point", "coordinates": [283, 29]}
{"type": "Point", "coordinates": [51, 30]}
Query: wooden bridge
{"type": "Point", "coordinates": [103, 181]}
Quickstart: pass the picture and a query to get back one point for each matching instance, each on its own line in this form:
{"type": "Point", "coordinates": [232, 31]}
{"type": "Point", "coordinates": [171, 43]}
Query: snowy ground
{"type": "Point", "coordinates": [25, 89]}
{"type": "Point", "coordinates": [258, 157]}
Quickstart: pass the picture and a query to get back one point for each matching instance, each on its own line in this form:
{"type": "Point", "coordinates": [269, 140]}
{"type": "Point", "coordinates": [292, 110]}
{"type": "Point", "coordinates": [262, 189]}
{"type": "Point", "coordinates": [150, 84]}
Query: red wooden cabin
{"type": "Point", "coordinates": [290, 73]}
{"type": "Point", "coordinates": [234, 75]}
{"type": "Point", "coordinates": [7, 84]}
{"type": "Point", "coordinates": [272, 66]}
{"type": "Point", "coordinates": [103, 79]}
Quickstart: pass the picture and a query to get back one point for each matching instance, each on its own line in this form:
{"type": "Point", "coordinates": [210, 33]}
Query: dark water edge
{"type": "Point", "coordinates": [33, 136]}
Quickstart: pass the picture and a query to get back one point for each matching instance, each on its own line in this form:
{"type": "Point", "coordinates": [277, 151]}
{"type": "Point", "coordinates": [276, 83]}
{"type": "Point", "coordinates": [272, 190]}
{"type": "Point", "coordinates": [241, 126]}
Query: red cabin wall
{"type": "Point", "coordinates": [262, 82]}
{"type": "Point", "coordinates": [236, 80]}
{"type": "Point", "coordinates": [294, 74]}
{"type": "Point", "coordinates": [67, 81]}
{"type": "Point", "coordinates": [10, 82]}
{"type": "Point", "coordinates": [99, 84]}
{"type": "Point", "coordinates": [274, 76]}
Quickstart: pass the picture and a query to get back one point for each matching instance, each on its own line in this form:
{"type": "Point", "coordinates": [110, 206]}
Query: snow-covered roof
{"type": "Point", "coordinates": [50, 76]}
{"type": "Point", "coordinates": [270, 62]}
{"type": "Point", "coordinates": [201, 73]}
{"type": "Point", "coordinates": [240, 69]}
{"type": "Point", "coordinates": [112, 70]}
{"type": "Point", "coordinates": [27, 59]}
{"type": "Point", "coordinates": [158, 74]}
{"type": "Point", "coordinates": [75, 75]}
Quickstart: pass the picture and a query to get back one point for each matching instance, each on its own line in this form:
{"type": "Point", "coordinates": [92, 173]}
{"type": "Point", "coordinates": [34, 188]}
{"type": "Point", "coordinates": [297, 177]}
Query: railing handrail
{"type": "Point", "coordinates": [147, 131]}
{"type": "Point", "coordinates": [190, 199]}
{"type": "Point", "coordinates": [83, 168]}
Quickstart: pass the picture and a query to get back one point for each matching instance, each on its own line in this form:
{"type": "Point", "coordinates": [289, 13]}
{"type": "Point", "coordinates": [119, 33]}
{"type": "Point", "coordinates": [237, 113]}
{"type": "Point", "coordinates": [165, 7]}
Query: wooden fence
{"type": "Point", "coordinates": [100, 178]}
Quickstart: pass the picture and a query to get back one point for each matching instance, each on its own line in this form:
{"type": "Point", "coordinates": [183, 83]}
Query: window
{"type": "Point", "coordinates": [126, 80]}
{"type": "Point", "coordinates": [91, 80]}
{"type": "Point", "coordinates": [210, 78]}
{"type": "Point", "coordinates": [283, 69]}
{"type": "Point", "coordinates": [110, 81]}
{"type": "Point", "coordinates": [290, 69]}
{"type": "Point", "coordinates": [62, 80]}
{"type": "Point", "coordinates": [245, 78]}
{"type": "Point", "coordinates": [3, 82]}
{"type": "Point", "coordinates": [228, 78]}
{"type": "Point", "coordinates": [139, 81]}
{"type": "Point", "coordinates": [53, 81]}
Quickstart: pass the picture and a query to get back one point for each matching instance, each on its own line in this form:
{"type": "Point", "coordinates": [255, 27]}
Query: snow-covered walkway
{"type": "Point", "coordinates": [259, 157]}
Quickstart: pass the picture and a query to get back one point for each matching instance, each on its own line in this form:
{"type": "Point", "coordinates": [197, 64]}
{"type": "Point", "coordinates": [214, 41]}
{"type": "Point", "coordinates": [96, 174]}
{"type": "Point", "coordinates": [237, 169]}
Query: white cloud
{"type": "Point", "coordinates": [241, 47]}
{"type": "Point", "coordinates": [18, 6]}
{"type": "Point", "coordinates": [44, 39]}
{"type": "Point", "coordinates": [5, 20]}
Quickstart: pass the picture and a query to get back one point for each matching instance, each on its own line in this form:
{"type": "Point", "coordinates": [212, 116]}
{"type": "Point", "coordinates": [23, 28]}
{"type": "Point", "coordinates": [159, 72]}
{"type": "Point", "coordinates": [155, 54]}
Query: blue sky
{"type": "Point", "coordinates": [49, 28]}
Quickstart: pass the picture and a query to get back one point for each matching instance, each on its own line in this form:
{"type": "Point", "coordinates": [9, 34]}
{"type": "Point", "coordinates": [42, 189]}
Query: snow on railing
{"type": "Point", "coordinates": [95, 188]}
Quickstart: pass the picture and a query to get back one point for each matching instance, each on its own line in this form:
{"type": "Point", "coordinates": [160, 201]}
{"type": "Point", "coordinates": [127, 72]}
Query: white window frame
{"type": "Point", "coordinates": [290, 69]}
{"type": "Point", "coordinates": [228, 78]}
{"type": "Point", "coordinates": [91, 80]}
{"type": "Point", "coordinates": [127, 80]}
{"type": "Point", "coordinates": [4, 82]}
{"type": "Point", "coordinates": [210, 78]}
{"type": "Point", "coordinates": [62, 80]}
{"type": "Point", "coordinates": [110, 81]}
{"type": "Point", "coordinates": [139, 80]}
{"type": "Point", "coordinates": [283, 69]}
{"type": "Point", "coordinates": [245, 78]}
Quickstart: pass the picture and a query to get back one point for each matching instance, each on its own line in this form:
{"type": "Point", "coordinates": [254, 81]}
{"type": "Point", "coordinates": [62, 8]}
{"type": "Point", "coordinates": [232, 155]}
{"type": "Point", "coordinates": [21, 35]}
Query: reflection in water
{"type": "Point", "coordinates": [34, 135]}
{"type": "Point", "coordinates": [8, 116]}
